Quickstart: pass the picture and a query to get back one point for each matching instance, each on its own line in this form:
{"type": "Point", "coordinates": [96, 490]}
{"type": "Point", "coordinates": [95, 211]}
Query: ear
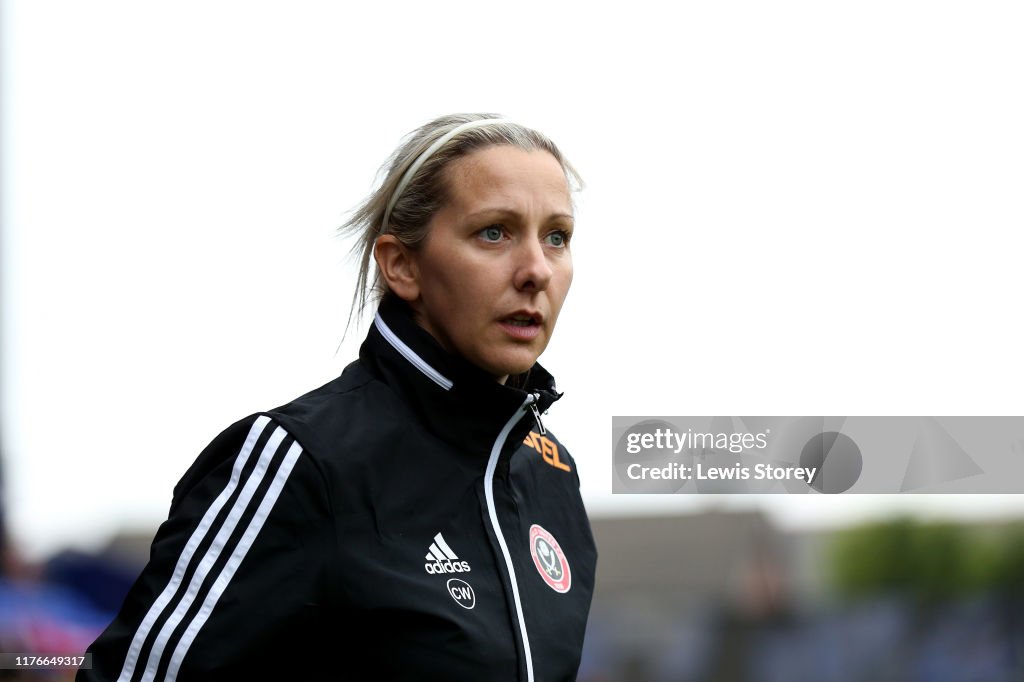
{"type": "Point", "coordinates": [397, 265]}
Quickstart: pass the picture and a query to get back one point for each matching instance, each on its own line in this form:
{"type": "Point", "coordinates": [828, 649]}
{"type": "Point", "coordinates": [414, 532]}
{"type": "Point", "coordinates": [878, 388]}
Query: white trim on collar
{"type": "Point", "coordinates": [410, 355]}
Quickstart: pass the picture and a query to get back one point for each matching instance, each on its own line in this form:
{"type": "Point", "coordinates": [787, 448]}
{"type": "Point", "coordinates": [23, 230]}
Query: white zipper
{"type": "Point", "coordinates": [492, 464]}
{"type": "Point", "coordinates": [536, 414]}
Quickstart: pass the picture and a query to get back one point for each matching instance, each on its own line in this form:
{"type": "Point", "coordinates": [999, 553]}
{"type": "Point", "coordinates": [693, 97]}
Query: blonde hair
{"type": "Point", "coordinates": [426, 191]}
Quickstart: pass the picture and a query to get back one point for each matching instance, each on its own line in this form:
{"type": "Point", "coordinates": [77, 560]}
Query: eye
{"type": "Point", "coordinates": [492, 233]}
{"type": "Point", "coordinates": [558, 238]}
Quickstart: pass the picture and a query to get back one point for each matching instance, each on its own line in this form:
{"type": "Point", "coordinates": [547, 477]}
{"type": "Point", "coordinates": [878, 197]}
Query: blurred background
{"type": "Point", "coordinates": [791, 208]}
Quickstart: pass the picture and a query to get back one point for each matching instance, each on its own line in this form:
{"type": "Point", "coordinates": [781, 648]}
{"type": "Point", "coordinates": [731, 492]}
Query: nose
{"type": "Point", "coordinates": [533, 271]}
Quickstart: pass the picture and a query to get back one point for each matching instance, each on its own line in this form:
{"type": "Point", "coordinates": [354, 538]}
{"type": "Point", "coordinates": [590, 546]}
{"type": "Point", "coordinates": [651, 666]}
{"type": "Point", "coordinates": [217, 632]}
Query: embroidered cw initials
{"type": "Point", "coordinates": [547, 449]}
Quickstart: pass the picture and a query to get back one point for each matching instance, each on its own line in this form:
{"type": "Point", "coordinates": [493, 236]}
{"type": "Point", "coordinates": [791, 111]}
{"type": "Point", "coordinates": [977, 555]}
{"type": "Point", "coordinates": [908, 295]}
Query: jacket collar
{"type": "Point", "coordinates": [459, 402]}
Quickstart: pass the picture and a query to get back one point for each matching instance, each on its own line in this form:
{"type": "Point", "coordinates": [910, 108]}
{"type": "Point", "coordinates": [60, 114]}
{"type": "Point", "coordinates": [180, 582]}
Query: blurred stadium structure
{"type": "Point", "coordinates": [721, 596]}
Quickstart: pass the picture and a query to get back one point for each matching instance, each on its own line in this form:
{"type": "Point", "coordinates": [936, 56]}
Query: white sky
{"type": "Point", "coordinates": [791, 208]}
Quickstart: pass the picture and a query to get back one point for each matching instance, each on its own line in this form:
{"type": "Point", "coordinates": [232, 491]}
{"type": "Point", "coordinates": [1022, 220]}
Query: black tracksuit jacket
{"type": "Point", "coordinates": [409, 520]}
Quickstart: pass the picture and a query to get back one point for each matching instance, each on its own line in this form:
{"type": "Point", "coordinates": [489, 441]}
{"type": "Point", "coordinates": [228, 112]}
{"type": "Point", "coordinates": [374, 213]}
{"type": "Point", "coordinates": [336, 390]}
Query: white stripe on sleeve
{"type": "Point", "coordinates": [221, 583]}
{"type": "Point", "coordinates": [213, 553]}
{"type": "Point", "coordinates": [197, 537]}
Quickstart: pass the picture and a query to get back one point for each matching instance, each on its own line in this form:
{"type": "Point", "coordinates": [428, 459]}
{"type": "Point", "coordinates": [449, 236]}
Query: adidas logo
{"type": "Point", "coordinates": [441, 559]}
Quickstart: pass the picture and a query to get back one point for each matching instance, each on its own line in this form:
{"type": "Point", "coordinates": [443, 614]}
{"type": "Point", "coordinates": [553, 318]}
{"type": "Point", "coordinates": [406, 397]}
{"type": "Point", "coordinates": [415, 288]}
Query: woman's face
{"type": "Point", "coordinates": [496, 266]}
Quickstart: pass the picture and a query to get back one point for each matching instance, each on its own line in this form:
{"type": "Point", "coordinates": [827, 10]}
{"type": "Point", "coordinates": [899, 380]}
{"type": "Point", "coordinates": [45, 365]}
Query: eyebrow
{"type": "Point", "coordinates": [513, 212]}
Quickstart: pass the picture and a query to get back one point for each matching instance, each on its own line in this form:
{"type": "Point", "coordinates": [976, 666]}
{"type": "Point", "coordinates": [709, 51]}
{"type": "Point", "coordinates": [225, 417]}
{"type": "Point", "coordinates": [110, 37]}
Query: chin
{"type": "Point", "coordinates": [510, 366]}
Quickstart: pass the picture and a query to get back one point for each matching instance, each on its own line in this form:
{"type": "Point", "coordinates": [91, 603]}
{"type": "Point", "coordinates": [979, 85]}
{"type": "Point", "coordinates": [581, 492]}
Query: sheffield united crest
{"type": "Point", "coordinates": [549, 559]}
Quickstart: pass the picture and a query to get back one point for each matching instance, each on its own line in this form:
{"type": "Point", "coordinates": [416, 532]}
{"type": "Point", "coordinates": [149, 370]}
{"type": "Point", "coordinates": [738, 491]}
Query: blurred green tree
{"type": "Point", "coordinates": [929, 561]}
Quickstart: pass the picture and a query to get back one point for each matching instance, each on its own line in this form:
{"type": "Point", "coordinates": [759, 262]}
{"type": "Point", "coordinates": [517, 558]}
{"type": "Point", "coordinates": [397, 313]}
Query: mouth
{"type": "Point", "coordinates": [522, 324]}
{"type": "Point", "coordinates": [520, 320]}
{"type": "Point", "coordinates": [524, 318]}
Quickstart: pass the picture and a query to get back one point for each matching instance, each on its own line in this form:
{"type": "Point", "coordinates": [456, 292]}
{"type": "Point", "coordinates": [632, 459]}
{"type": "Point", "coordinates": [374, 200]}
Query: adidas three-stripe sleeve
{"type": "Point", "coordinates": [234, 585]}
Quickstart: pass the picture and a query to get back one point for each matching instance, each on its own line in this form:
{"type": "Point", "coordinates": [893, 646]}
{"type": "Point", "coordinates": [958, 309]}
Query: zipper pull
{"type": "Point", "coordinates": [536, 414]}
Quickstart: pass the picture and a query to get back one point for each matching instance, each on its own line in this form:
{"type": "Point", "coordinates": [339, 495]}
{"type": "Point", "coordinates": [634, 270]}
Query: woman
{"type": "Point", "coordinates": [412, 519]}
